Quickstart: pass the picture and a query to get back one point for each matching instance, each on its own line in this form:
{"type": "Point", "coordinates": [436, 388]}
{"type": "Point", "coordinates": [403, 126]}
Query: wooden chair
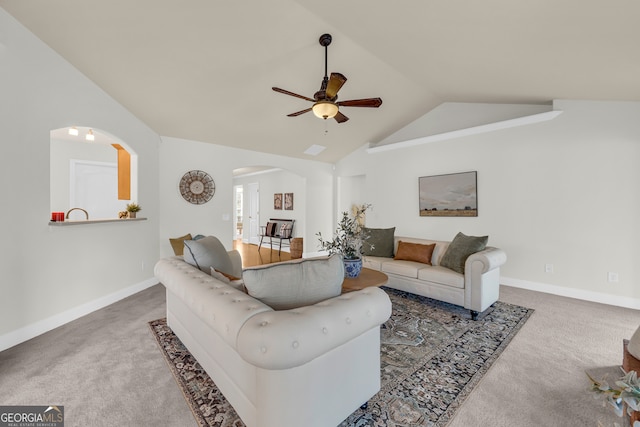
{"type": "Point", "coordinates": [281, 229]}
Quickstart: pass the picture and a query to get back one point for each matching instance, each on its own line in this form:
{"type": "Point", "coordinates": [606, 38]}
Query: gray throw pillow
{"type": "Point", "coordinates": [206, 253]}
{"type": "Point", "coordinates": [293, 284]}
{"type": "Point", "coordinates": [379, 243]}
{"type": "Point", "coordinates": [459, 250]}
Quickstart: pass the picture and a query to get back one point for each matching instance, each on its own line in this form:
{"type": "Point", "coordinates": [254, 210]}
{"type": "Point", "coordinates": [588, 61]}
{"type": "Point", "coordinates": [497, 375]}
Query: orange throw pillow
{"type": "Point", "coordinates": [415, 252]}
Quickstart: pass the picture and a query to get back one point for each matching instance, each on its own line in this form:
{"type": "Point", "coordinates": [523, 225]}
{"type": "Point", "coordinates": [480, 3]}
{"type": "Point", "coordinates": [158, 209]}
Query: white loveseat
{"type": "Point", "coordinates": [475, 290]}
{"type": "Point", "coordinates": [309, 366]}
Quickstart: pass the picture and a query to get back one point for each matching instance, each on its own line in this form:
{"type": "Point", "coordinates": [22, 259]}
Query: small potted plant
{"type": "Point", "coordinates": [132, 209]}
{"type": "Point", "coordinates": [348, 240]}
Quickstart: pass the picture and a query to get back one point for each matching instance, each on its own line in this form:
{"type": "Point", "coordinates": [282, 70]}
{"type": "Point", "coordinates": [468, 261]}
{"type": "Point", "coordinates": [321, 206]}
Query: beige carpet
{"type": "Point", "coordinates": [106, 370]}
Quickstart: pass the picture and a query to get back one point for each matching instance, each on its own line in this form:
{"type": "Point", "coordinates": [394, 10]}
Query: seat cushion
{"type": "Point", "coordinates": [441, 275]}
{"type": "Point", "coordinates": [402, 268]}
{"type": "Point", "coordinates": [298, 283]}
{"type": "Point", "coordinates": [459, 250]}
{"type": "Point", "coordinates": [206, 253]}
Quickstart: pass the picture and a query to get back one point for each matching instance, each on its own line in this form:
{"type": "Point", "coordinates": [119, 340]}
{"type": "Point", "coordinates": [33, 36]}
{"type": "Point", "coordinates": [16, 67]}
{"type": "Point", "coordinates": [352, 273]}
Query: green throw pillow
{"type": "Point", "coordinates": [459, 250]}
{"type": "Point", "coordinates": [379, 243]}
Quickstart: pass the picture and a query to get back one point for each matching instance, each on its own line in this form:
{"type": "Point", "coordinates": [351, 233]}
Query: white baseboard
{"type": "Point", "coordinates": [274, 247]}
{"type": "Point", "coordinates": [21, 335]}
{"type": "Point", "coordinates": [600, 297]}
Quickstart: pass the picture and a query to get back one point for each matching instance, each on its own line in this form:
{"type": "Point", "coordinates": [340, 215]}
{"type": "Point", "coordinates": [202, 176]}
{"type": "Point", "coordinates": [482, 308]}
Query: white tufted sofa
{"type": "Point", "coordinates": [310, 366]}
{"type": "Point", "coordinates": [475, 290]}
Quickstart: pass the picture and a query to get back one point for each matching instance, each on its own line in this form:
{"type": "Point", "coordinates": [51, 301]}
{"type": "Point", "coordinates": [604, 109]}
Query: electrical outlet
{"type": "Point", "coordinates": [548, 268]}
{"type": "Point", "coordinates": [612, 277]}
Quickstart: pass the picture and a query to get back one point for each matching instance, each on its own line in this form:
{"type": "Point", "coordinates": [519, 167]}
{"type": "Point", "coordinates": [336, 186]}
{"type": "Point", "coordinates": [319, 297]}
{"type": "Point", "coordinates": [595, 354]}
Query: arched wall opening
{"type": "Point", "coordinates": [268, 192]}
{"type": "Point", "coordinates": [93, 170]}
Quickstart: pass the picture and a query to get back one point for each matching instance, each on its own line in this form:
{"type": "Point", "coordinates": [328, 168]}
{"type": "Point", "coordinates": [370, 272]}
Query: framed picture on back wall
{"type": "Point", "coordinates": [454, 194]}
{"type": "Point", "coordinates": [277, 201]}
{"type": "Point", "coordinates": [288, 201]}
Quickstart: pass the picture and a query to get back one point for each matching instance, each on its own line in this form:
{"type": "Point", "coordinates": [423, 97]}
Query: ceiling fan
{"type": "Point", "coordinates": [325, 104]}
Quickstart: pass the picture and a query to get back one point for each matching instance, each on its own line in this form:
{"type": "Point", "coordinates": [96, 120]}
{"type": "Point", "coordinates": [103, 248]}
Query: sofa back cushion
{"type": "Point", "coordinates": [298, 283]}
{"type": "Point", "coordinates": [206, 253]}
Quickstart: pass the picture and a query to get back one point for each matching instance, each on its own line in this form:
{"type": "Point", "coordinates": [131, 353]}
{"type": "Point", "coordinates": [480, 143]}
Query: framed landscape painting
{"type": "Point", "coordinates": [453, 194]}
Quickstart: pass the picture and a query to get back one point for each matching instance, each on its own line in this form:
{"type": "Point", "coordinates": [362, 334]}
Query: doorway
{"type": "Point", "coordinates": [94, 187]}
{"type": "Point", "coordinates": [238, 215]}
{"type": "Point", "coordinates": [254, 212]}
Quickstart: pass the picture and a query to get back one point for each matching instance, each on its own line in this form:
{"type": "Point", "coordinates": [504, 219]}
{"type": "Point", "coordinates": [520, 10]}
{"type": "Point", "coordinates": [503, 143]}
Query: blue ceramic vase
{"type": "Point", "coordinates": [352, 267]}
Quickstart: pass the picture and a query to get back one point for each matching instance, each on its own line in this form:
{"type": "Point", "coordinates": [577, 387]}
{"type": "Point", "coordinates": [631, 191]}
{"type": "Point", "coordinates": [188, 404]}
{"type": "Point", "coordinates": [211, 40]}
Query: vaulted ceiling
{"type": "Point", "coordinates": [203, 69]}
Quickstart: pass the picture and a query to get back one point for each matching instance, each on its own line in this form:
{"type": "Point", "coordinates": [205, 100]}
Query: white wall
{"type": "Point", "coordinates": [563, 192]}
{"type": "Point", "coordinates": [178, 156]}
{"type": "Point", "coordinates": [350, 191]}
{"type": "Point", "coordinates": [53, 274]}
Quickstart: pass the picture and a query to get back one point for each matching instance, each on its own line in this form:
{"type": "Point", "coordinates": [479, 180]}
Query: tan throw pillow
{"type": "Point", "coordinates": [415, 252]}
{"type": "Point", "coordinates": [228, 279]}
{"type": "Point", "coordinates": [293, 284]}
{"type": "Point", "coordinates": [178, 244]}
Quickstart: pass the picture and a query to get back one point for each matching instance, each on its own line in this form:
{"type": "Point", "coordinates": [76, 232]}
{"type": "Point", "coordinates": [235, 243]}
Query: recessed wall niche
{"type": "Point", "coordinates": [99, 175]}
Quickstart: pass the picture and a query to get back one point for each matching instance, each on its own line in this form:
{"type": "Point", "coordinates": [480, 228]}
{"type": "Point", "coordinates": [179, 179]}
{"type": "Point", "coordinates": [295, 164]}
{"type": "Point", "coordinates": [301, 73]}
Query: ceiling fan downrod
{"type": "Point", "coordinates": [325, 40]}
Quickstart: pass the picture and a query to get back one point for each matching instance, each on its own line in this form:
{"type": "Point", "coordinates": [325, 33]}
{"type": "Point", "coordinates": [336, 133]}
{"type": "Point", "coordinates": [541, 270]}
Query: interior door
{"type": "Point", "coordinates": [254, 212]}
{"type": "Point", "coordinates": [94, 187]}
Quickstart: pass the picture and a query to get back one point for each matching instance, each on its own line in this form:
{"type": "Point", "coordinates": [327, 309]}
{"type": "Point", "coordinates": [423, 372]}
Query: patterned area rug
{"type": "Point", "coordinates": [432, 355]}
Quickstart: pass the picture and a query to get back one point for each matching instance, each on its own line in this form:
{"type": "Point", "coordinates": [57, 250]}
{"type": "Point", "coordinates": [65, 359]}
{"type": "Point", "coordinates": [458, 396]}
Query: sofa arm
{"type": "Point", "coordinates": [490, 258]}
{"type": "Point", "coordinates": [289, 338]}
{"type": "Point", "coordinates": [482, 279]}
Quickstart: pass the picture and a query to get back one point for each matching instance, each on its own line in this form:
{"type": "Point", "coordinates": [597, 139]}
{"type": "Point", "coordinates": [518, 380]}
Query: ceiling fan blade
{"type": "Point", "coordinates": [341, 118]}
{"type": "Point", "coordinates": [297, 113]}
{"type": "Point", "coordinates": [369, 102]}
{"type": "Point", "coordinates": [286, 92]}
{"type": "Point", "coordinates": [335, 83]}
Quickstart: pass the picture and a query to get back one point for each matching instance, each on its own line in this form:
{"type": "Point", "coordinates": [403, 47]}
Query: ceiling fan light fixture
{"type": "Point", "coordinates": [325, 109]}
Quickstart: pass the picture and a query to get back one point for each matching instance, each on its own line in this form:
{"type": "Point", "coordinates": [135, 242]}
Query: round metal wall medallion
{"type": "Point", "coordinates": [197, 187]}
